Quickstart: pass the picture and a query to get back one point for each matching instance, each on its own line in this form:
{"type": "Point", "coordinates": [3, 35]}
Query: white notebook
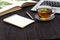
{"type": "Point", "coordinates": [18, 20]}
{"type": "Point", "coordinates": [7, 6]}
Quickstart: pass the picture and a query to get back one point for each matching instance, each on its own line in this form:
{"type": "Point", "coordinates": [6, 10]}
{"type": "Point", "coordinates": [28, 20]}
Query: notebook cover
{"type": "Point", "coordinates": [18, 20]}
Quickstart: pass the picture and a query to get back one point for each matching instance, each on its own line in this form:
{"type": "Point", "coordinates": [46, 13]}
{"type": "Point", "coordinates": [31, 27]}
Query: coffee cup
{"type": "Point", "coordinates": [45, 12]}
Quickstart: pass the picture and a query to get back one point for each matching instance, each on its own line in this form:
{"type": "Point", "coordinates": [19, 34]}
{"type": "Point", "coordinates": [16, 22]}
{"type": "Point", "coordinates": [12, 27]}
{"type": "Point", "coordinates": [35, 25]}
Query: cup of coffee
{"type": "Point", "coordinates": [45, 12]}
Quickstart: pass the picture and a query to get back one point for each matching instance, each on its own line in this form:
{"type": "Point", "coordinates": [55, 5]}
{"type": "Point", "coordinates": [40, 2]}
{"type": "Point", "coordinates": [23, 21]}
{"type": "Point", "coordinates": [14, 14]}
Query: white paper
{"type": "Point", "coordinates": [18, 20]}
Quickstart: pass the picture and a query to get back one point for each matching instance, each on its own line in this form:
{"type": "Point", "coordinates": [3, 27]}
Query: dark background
{"type": "Point", "coordinates": [36, 31]}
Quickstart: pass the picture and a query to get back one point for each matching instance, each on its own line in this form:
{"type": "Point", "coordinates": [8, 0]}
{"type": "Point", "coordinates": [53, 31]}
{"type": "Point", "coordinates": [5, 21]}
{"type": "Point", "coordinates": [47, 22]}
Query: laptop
{"type": "Point", "coordinates": [53, 3]}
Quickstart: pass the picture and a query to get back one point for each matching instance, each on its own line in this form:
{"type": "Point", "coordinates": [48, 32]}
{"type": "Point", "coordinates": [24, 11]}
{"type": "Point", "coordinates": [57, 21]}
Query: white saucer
{"type": "Point", "coordinates": [38, 18]}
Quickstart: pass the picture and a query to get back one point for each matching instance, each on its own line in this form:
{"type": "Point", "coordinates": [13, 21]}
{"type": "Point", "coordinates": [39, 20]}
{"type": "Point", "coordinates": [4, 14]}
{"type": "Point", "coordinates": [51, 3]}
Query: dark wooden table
{"type": "Point", "coordinates": [36, 31]}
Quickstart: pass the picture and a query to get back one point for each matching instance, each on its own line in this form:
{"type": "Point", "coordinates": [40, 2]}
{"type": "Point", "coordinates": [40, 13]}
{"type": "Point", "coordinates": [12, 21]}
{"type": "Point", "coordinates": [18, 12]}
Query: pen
{"type": "Point", "coordinates": [29, 15]}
